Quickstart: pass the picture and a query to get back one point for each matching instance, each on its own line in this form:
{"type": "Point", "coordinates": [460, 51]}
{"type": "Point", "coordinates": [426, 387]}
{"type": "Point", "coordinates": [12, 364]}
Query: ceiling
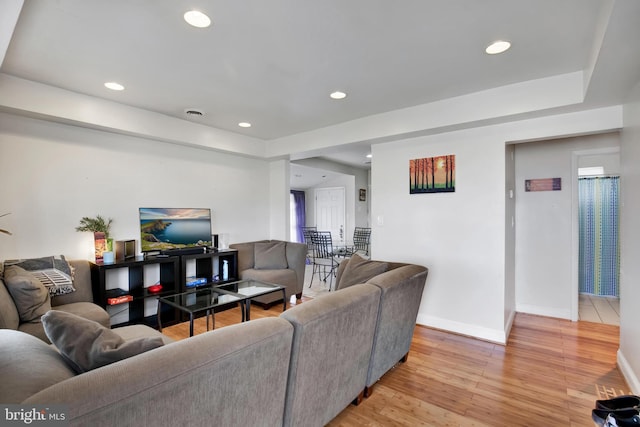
{"type": "Point", "coordinates": [274, 63]}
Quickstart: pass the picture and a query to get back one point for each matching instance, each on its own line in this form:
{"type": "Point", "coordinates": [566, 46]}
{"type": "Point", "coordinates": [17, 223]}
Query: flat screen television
{"type": "Point", "coordinates": [164, 229]}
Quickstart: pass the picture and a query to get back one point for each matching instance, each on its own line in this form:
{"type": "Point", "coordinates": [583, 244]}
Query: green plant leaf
{"type": "Point", "coordinates": [97, 224]}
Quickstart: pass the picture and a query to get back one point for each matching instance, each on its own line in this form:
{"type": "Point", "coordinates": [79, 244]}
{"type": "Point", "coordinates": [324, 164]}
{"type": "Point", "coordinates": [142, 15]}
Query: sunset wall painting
{"type": "Point", "coordinates": [432, 175]}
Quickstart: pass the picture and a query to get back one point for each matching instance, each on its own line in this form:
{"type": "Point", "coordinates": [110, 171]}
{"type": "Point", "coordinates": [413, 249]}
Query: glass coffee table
{"type": "Point", "coordinates": [250, 289]}
{"type": "Point", "coordinates": [207, 299]}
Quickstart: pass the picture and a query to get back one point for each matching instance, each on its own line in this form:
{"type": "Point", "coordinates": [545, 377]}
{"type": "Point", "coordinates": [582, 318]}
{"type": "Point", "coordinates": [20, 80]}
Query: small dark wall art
{"type": "Point", "coordinates": [432, 175]}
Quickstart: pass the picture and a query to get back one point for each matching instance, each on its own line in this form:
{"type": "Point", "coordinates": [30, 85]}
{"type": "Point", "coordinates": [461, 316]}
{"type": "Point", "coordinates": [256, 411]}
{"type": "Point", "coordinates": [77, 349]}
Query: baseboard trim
{"type": "Point", "coordinates": [627, 373]}
{"type": "Point", "coordinates": [543, 311]}
{"type": "Point", "coordinates": [509, 324]}
{"type": "Point", "coordinates": [486, 334]}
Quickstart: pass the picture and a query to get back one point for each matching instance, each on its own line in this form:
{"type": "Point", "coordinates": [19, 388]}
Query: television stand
{"type": "Point", "coordinates": [184, 251]}
{"type": "Point", "coordinates": [140, 274]}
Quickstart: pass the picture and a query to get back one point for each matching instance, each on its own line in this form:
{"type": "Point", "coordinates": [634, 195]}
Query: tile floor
{"type": "Point", "coordinates": [599, 309]}
{"type": "Point", "coordinates": [318, 287]}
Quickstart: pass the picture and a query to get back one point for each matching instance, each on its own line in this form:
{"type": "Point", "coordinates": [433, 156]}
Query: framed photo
{"type": "Point", "coordinates": [363, 195]}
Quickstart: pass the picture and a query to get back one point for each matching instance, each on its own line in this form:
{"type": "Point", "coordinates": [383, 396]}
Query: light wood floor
{"type": "Point", "coordinates": [550, 373]}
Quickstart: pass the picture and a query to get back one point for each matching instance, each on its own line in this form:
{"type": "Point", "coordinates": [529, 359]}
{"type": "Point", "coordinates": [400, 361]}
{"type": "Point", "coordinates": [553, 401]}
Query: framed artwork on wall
{"type": "Point", "coordinates": [543, 184]}
{"type": "Point", "coordinates": [432, 175]}
{"type": "Point", "coordinates": [363, 195]}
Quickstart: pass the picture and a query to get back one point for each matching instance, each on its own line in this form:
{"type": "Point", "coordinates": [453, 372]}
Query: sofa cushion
{"type": "Point", "coordinates": [270, 256]}
{"type": "Point", "coordinates": [27, 366]}
{"type": "Point", "coordinates": [9, 317]}
{"type": "Point", "coordinates": [55, 273]}
{"type": "Point", "coordinates": [87, 345]}
{"type": "Point", "coordinates": [29, 295]}
{"type": "Point", "coordinates": [87, 310]}
{"type": "Point", "coordinates": [134, 332]}
{"type": "Point", "coordinates": [359, 270]}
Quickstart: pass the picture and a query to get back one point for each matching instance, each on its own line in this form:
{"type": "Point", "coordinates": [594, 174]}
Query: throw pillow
{"type": "Point", "coordinates": [270, 256]}
{"type": "Point", "coordinates": [29, 295]}
{"type": "Point", "coordinates": [54, 272]}
{"type": "Point", "coordinates": [87, 345]}
{"type": "Point", "coordinates": [359, 270]}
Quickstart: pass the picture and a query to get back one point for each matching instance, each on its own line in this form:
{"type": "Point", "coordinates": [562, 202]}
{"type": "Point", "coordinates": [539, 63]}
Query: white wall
{"type": "Point", "coordinates": [546, 264]}
{"type": "Point", "coordinates": [461, 236]}
{"type": "Point", "coordinates": [610, 162]}
{"type": "Point", "coordinates": [510, 238]}
{"type": "Point", "coordinates": [279, 195]}
{"type": "Point", "coordinates": [54, 174]}
{"type": "Point", "coordinates": [629, 353]}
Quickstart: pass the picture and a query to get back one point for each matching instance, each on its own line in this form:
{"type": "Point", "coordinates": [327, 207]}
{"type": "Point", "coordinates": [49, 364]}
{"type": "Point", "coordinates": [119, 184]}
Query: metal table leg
{"type": "Point", "coordinates": [190, 324]}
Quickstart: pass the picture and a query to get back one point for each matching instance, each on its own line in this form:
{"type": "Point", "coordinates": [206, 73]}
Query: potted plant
{"type": "Point", "coordinates": [101, 229]}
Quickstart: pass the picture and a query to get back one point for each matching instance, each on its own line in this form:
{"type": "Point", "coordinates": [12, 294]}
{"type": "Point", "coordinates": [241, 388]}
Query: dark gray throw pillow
{"type": "Point", "coordinates": [359, 270]}
{"type": "Point", "coordinates": [87, 345]}
{"type": "Point", "coordinates": [30, 296]}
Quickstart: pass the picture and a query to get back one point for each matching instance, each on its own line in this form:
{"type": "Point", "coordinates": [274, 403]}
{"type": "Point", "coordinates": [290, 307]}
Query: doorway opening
{"type": "Point", "coordinates": [599, 247]}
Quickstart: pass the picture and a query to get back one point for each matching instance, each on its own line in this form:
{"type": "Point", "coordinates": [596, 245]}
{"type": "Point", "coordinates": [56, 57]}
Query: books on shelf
{"type": "Point", "coordinates": [192, 281]}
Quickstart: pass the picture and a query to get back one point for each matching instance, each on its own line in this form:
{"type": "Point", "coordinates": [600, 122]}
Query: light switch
{"type": "Point", "coordinates": [380, 220]}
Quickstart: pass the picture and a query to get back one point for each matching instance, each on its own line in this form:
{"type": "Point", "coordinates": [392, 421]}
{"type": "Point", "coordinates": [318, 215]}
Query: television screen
{"type": "Point", "coordinates": [163, 229]}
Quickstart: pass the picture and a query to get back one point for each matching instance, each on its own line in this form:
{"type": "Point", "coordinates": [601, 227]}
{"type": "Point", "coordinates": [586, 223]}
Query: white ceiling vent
{"type": "Point", "coordinates": [193, 112]}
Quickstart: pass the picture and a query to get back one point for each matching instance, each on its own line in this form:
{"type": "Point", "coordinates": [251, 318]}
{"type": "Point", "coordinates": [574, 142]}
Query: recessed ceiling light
{"type": "Point", "coordinates": [114, 86]}
{"type": "Point", "coordinates": [244, 125]}
{"type": "Point", "coordinates": [197, 19]}
{"type": "Point", "coordinates": [498, 46]}
{"type": "Point", "coordinates": [369, 156]}
{"type": "Point", "coordinates": [338, 95]}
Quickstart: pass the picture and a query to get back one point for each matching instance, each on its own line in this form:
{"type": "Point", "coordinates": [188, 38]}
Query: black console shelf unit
{"type": "Point", "coordinates": [172, 272]}
{"type": "Point", "coordinates": [137, 288]}
{"type": "Point", "coordinates": [209, 266]}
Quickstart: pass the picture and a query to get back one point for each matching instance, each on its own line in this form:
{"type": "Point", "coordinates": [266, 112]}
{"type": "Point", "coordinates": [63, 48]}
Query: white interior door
{"type": "Point", "coordinates": [330, 213]}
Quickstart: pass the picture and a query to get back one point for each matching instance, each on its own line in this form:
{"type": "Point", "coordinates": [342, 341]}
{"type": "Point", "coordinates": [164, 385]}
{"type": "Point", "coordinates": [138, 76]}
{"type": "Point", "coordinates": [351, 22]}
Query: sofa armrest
{"type": "Point", "coordinates": [188, 382]}
{"type": "Point", "coordinates": [401, 295]}
{"type": "Point", "coordinates": [296, 259]}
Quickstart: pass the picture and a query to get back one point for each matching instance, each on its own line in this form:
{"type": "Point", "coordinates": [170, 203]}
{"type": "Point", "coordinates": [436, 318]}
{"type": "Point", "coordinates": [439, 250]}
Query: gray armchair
{"type": "Point", "coordinates": [273, 261]}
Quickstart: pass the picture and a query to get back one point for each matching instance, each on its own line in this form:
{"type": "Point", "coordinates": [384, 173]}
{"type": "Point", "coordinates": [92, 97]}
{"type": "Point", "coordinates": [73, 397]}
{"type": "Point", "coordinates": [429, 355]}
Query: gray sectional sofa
{"type": "Point", "coordinates": [79, 302]}
{"type": "Point", "coordinates": [302, 368]}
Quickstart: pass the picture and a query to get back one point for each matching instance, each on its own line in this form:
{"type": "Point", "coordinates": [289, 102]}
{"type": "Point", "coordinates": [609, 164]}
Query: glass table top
{"type": "Point", "coordinates": [249, 288]}
{"type": "Point", "coordinates": [201, 299]}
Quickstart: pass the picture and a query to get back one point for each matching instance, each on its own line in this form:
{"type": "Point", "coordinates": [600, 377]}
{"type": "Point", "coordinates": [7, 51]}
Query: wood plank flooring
{"type": "Point", "coordinates": [550, 373]}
